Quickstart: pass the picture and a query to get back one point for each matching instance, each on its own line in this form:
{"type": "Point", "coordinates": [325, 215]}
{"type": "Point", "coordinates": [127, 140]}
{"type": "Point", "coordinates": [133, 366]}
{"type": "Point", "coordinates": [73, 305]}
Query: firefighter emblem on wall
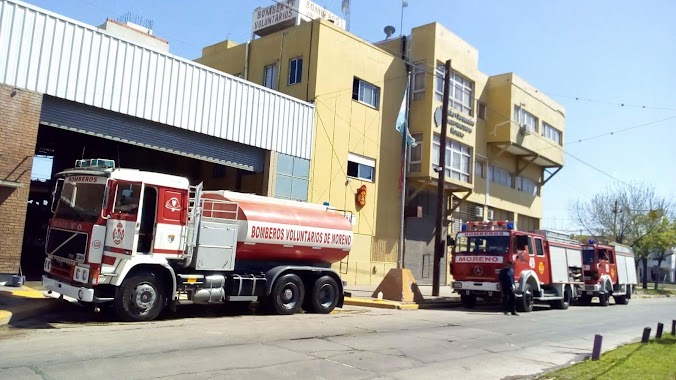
{"type": "Point", "coordinates": [118, 234]}
{"type": "Point", "coordinates": [361, 196]}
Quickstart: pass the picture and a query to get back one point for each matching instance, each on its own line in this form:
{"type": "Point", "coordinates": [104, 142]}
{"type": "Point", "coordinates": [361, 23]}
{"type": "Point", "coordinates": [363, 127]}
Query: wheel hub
{"type": "Point", "coordinates": [144, 297]}
{"type": "Point", "coordinates": [326, 295]}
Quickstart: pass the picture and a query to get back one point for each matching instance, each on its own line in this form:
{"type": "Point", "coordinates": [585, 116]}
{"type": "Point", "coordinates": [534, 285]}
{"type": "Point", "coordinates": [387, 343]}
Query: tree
{"type": "Point", "coordinates": [625, 214]}
{"type": "Point", "coordinates": [659, 244]}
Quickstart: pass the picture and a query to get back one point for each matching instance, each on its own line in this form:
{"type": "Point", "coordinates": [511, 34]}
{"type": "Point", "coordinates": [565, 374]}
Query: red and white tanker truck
{"type": "Point", "coordinates": [142, 241]}
{"type": "Point", "coordinates": [547, 265]}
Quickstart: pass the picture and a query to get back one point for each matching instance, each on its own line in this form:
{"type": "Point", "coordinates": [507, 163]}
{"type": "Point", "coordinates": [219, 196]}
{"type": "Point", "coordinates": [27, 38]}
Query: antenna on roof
{"type": "Point", "coordinates": [389, 31]}
{"type": "Point", "coordinates": [346, 12]}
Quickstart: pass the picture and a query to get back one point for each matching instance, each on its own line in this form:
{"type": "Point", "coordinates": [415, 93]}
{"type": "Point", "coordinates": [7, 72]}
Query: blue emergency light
{"type": "Point", "coordinates": [463, 227]}
{"type": "Point", "coordinates": [591, 241]}
{"type": "Point", "coordinates": [510, 225]}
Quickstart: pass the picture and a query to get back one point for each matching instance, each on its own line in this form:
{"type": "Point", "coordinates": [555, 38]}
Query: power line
{"type": "Point", "coordinates": [621, 104]}
{"type": "Point", "coordinates": [621, 130]}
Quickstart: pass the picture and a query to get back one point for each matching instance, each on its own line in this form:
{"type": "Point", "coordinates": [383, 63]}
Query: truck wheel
{"type": "Point", "coordinates": [324, 296]}
{"type": "Point", "coordinates": [565, 302]}
{"type": "Point", "coordinates": [604, 299]}
{"type": "Point", "coordinates": [139, 298]}
{"type": "Point", "coordinates": [287, 295]}
{"type": "Point", "coordinates": [526, 303]}
{"type": "Point", "coordinates": [621, 300]}
{"type": "Point", "coordinates": [468, 301]}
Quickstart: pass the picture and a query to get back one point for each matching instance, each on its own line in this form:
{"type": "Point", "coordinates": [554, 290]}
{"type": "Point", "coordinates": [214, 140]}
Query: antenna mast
{"type": "Point", "coordinates": [346, 12]}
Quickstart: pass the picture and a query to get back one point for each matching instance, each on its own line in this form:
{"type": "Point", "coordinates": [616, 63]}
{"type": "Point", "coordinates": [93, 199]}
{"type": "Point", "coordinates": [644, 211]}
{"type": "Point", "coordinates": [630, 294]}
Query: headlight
{"type": "Point", "coordinates": [457, 285]}
{"type": "Point", "coordinates": [47, 266]}
{"type": "Point", "coordinates": [81, 274]}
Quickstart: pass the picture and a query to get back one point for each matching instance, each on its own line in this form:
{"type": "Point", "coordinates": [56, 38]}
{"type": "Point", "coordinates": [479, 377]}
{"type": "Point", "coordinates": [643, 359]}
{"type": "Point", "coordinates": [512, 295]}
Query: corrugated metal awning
{"type": "Point", "coordinates": [110, 125]}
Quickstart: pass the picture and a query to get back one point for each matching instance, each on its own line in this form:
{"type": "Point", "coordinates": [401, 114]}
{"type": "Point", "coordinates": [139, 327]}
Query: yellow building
{"type": "Point", "coordinates": [504, 142]}
{"type": "Point", "coordinates": [358, 88]}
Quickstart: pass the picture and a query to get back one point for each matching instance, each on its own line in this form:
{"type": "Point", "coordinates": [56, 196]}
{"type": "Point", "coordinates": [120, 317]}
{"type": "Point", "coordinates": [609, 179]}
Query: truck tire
{"type": "Point", "coordinates": [139, 298]}
{"type": "Point", "coordinates": [604, 299]}
{"type": "Point", "coordinates": [565, 302]}
{"type": "Point", "coordinates": [468, 301]}
{"type": "Point", "coordinates": [525, 303]}
{"type": "Point", "coordinates": [324, 296]}
{"type": "Point", "coordinates": [287, 295]}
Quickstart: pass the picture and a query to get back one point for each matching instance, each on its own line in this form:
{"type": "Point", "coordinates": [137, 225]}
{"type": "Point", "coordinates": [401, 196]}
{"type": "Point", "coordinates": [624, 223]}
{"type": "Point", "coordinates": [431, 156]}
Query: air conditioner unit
{"type": "Point", "coordinates": [478, 211]}
{"type": "Point", "coordinates": [491, 214]}
{"type": "Point", "coordinates": [524, 130]}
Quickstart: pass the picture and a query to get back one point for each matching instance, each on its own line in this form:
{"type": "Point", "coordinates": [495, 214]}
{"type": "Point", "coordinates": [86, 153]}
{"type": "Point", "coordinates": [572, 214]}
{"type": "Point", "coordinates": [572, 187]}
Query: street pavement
{"type": "Point", "coordinates": [352, 343]}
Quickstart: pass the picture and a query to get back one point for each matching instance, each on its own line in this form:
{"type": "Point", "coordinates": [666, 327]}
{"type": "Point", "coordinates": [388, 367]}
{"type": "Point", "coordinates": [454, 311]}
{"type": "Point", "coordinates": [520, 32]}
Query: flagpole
{"type": "Point", "coordinates": [405, 151]}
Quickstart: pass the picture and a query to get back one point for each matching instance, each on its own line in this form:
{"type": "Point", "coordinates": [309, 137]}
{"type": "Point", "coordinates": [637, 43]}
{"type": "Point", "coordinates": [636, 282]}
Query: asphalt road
{"type": "Point", "coordinates": [353, 343]}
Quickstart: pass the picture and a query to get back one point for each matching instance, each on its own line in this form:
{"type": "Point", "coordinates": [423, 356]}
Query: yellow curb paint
{"type": "Point", "coordinates": [5, 317]}
{"type": "Point", "coordinates": [382, 304]}
{"type": "Point", "coordinates": [27, 293]}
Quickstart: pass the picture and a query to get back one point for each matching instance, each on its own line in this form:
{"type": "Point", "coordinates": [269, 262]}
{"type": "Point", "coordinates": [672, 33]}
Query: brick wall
{"type": "Point", "coordinates": [19, 118]}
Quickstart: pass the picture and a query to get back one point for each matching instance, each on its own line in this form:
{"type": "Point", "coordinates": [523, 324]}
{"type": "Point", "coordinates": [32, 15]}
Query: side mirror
{"type": "Point", "coordinates": [57, 190]}
{"type": "Point", "coordinates": [105, 205]}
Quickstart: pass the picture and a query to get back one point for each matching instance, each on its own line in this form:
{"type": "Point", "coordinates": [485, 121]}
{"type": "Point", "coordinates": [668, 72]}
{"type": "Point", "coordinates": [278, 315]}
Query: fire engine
{"type": "Point", "coordinates": [609, 270]}
{"type": "Point", "coordinates": [141, 241]}
{"type": "Point", "coordinates": [547, 265]}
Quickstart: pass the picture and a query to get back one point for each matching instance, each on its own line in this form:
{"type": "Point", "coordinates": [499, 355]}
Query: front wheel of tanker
{"type": "Point", "coordinates": [139, 298]}
{"type": "Point", "coordinates": [324, 296]}
{"type": "Point", "coordinates": [287, 295]}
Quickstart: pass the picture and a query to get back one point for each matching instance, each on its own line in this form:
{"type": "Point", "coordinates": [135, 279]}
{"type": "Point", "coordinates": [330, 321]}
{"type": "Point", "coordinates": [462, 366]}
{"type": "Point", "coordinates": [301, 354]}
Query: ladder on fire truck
{"type": "Point", "coordinates": [194, 217]}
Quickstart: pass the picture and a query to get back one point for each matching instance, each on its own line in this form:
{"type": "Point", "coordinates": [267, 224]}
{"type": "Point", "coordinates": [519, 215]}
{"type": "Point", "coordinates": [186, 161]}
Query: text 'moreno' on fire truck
{"type": "Point", "coordinates": [549, 267]}
{"type": "Point", "coordinates": [141, 241]}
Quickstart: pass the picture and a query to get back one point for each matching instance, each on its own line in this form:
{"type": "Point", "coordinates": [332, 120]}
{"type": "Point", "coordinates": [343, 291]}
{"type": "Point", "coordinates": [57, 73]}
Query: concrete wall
{"type": "Point", "coordinates": [19, 118]}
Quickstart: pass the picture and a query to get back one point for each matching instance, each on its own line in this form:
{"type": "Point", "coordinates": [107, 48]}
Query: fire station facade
{"type": "Point", "coordinates": [306, 111]}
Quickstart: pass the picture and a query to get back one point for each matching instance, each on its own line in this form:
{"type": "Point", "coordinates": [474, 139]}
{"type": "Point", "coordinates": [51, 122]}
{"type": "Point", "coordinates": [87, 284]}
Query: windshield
{"type": "Point", "coordinates": [588, 257]}
{"type": "Point", "coordinates": [80, 201]}
{"type": "Point", "coordinates": [484, 245]}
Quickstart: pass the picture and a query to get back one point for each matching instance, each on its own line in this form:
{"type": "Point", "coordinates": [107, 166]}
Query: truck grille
{"type": "Point", "coordinates": [67, 244]}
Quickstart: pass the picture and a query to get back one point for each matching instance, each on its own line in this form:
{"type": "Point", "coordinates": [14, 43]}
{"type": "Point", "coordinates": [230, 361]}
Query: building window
{"type": "Point", "coordinates": [479, 169]}
{"type": "Point", "coordinates": [458, 158]}
{"type": "Point", "coordinates": [365, 93]}
{"type": "Point", "coordinates": [295, 70]}
{"type": "Point", "coordinates": [418, 81]}
{"type": "Point", "coordinates": [415, 160]}
{"type": "Point", "coordinates": [361, 167]}
{"type": "Point", "coordinates": [527, 185]}
{"type": "Point", "coordinates": [461, 90]}
{"type": "Point", "coordinates": [292, 177]}
{"type": "Point", "coordinates": [481, 110]}
{"type": "Point", "coordinates": [525, 119]}
{"type": "Point", "coordinates": [500, 176]}
{"type": "Point", "coordinates": [551, 133]}
{"type": "Point", "coordinates": [270, 76]}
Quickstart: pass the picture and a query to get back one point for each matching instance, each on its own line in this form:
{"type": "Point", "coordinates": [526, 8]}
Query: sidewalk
{"type": "Point", "coordinates": [361, 295]}
{"type": "Point", "coordinates": [24, 302]}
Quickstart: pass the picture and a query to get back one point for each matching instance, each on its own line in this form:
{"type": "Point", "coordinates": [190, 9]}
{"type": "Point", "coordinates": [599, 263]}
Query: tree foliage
{"type": "Point", "coordinates": [659, 244]}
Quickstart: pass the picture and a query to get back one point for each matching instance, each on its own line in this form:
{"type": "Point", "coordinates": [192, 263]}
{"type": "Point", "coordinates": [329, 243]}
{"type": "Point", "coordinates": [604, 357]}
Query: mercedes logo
{"type": "Point", "coordinates": [478, 270]}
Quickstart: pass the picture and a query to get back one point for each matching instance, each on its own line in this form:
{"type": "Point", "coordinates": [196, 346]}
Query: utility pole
{"type": "Point", "coordinates": [439, 240]}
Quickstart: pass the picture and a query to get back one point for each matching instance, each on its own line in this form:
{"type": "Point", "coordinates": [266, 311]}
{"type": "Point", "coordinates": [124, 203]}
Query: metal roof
{"type": "Point", "coordinates": [48, 53]}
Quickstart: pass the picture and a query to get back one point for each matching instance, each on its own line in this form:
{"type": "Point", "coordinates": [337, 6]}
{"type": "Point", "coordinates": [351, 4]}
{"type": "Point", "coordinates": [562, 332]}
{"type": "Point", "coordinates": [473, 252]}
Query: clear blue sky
{"type": "Point", "coordinates": [615, 52]}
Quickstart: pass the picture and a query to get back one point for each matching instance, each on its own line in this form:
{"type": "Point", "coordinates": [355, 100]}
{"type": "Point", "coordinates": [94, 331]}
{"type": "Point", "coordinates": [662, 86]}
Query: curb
{"type": "Point", "coordinates": [32, 303]}
{"type": "Point", "coordinates": [384, 304]}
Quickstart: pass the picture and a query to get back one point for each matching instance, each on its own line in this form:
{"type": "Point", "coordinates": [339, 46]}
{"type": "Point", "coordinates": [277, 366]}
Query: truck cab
{"type": "Point", "coordinates": [482, 249]}
{"type": "Point", "coordinates": [605, 274]}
